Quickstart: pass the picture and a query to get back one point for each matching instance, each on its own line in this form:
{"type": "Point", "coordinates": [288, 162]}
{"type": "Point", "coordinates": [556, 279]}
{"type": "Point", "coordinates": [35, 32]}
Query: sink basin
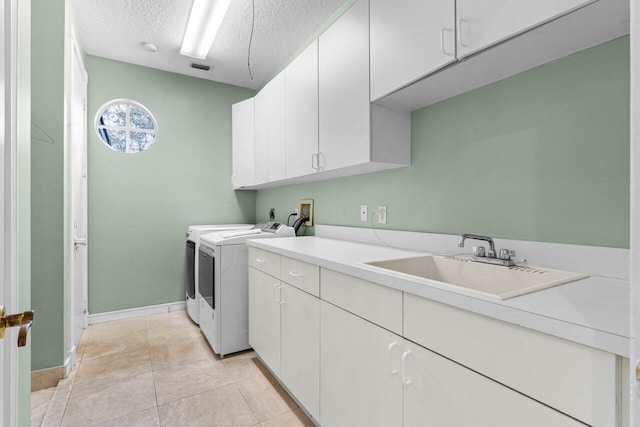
{"type": "Point", "coordinates": [490, 280]}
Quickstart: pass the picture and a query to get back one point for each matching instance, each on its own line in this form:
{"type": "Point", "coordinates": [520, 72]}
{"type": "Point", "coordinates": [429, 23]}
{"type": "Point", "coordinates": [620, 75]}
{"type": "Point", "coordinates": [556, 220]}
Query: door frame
{"type": "Point", "coordinates": [634, 296]}
{"type": "Point", "coordinates": [75, 54]}
{"type": "Point", "coordinates": [9, 214]}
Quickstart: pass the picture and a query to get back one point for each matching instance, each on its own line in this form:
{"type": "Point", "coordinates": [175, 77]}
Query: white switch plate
{"type": "Point", "coordinates": [363, 213]}
{"type": "Point", "coordinates": [382, 214]}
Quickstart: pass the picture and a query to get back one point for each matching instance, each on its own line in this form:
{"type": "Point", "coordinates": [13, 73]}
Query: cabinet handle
{"type": "Point", "coordinates": [460, 40]}
{"type": "Point", "coordinates": [275, 293]}
{"type": "Point", "coordinates": [319, 156]}
{"type": "Point", "coordinates": [313, 164]}
{"type": "Point", "coordinates": [393, 345]}
{"type": "Point", "coordinates": [294, 274]}
{"type": "Point", "coordinates": [405, 381]}
{"type": "Point", "coordinates": [260, 260]}
{"type": "Point", "coordinates": [280, 293]}
{"type": "Point", "coordinates": [442, 41]}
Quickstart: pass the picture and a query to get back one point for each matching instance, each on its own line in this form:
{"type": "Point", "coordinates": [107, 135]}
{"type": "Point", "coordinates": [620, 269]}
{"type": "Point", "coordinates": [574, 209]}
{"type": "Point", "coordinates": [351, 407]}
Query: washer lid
{"type": "Point", "coordinates": [195, 231]}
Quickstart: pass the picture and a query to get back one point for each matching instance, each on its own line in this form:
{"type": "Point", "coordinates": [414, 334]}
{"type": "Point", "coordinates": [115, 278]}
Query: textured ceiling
{"type": "Point", "coordinates": [116, 29]}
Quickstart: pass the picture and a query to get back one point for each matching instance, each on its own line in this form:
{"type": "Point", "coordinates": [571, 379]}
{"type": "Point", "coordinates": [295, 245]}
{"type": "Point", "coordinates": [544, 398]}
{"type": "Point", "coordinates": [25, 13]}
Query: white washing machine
{"type": "Point", "coordinates": [193, 244]}
{"type": "Point", "coordinates": [223, 291]}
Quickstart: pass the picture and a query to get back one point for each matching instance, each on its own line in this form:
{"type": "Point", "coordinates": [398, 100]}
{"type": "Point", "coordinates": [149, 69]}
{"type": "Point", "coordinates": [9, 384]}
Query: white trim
{"type": "Point", "coordinates": [9, 159]}
{"type": "Point", "coordinates": [634, 295]}
{"type": "Point", "coordinates": [137, 312]}
{"type": "Point", "coordinates": [592, 260]}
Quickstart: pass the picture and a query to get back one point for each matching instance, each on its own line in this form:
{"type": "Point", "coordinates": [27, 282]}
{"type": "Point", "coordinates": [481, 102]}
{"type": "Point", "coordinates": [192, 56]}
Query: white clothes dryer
{"type": "Point", "coordinates": [193, 245]}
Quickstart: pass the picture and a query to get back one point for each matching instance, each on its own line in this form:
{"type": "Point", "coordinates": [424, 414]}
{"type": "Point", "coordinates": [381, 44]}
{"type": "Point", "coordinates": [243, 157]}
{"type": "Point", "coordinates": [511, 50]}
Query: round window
{"type": "Point", "coordinates": [126, 126]}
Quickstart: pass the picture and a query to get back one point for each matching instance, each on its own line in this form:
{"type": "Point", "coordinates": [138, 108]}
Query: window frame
{"type": "Point", "coordinates": [127, 128]}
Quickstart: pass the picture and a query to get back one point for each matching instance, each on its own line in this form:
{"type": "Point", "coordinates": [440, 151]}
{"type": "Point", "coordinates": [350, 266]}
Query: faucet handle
{"type": "Point", "coordinates": [506, 254]}
{"type": "Point", "coordinates": [479, 251]}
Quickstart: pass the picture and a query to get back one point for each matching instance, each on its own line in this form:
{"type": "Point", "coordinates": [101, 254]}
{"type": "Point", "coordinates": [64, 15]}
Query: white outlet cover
{"type": "Point", "coordinates": [363, 213]}
{"type": "Point", "coordinates": [382, 214]}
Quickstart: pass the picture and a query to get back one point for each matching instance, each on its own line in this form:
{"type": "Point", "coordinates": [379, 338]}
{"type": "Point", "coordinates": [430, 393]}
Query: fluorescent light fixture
{"type": "Point", "coordinates": [204, 23]}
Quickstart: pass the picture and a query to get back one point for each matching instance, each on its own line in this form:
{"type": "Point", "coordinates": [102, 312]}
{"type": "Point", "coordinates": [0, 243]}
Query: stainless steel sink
{"type": "Point", "coordinates": [490, 280]}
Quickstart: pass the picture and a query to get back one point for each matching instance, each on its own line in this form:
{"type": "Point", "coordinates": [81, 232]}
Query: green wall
{"type": "Point", "coordinates": [541, 156]}
{"type": "Point", "coordinates": [141, 204]}
{"type": "Point", "coordinates": [47, 180]}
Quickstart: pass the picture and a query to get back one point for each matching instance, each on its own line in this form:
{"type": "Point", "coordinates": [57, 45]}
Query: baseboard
{"type": "Point", "coordinates": [46, 378]}
{"type": "Point", "coordinates": [136, 312]}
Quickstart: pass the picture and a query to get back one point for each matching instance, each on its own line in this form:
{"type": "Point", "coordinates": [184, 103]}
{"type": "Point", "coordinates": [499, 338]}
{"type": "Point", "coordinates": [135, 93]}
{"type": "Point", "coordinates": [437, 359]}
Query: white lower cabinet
{"type": "Point", "coordinates": [264, 318]}
{"type": "Point", "coordinates": [442, 366]}
{"type": "Point", "coordinates": [373, 377]}
{"type": "Point", "coordinates": [300, 346]}
{"type": "Point", "coordinates": [439, 392]}
{"type": "Point", "coordinates": [284, 330]}
{"type": "Point", "coordinates": [359, 379]}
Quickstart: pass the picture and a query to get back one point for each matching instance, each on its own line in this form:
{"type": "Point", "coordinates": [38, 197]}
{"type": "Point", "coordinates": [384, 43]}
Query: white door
{"type": "Point", "coordinates": [343, 74]}
{"type": "Point", "coordinates": [359, 373]}
{"type": "Point", "coordinates": [264, 317]}
{"type": "Point", "coordinates": [78, 200]}
{"type": "Point", "coordinates": [275, 128]}
{"type": "Point", "coordinates": [14, 364]}
{"type": "Point", "coordinates": [436, 387]}
{"type": "Point", "coordinates": [300, 346]}
{"type": "Point", "coordinates": [7, 407]}
{"type": "Point", "coordinates": [409, 39]}
{"type": "Point", "coordinates": [301, 106]}
{"type": "Point", "coordinates": [635, 213]}
{"type": "Point", "coordinates": [242, 136]}
{"type": "Point", "coordinates": [481, 24]}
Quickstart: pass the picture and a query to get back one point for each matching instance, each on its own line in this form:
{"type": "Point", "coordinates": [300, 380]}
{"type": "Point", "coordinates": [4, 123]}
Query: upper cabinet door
{"type": "Point", "coordinates": [301, 113]}
{"type": "Point", "coordinates": [344, 90]}
{"type": "Point", "coordinates": [409, 39]}
{"type": "Point", "coordinates": [260, 137]}
{"type": "Point", "coordinates": [276, 129]}
{"type": "Point", "coordinates": [270, 132]}
{"type": "Point", "coordinates": [483, 23]}
{"type": "Point", "coordinates": [242, 136]}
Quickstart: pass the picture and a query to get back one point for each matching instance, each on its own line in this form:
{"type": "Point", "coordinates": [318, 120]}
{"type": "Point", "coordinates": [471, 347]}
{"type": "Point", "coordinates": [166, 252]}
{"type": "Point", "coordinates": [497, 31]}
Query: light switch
{"type": "Point", "coordinates": [363, 213]}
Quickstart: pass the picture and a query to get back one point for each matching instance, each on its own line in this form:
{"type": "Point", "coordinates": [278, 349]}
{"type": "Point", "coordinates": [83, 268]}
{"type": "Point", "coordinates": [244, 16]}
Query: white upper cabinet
{"type": "Point", "coordinates": [260, 138]}
{"type": "Point", "coordinates": [483, 23]}
{"type": "Point", "coordinates": [409, 39]}
{"type": "Point", "coordinates": [270, 131]}
{"type": "Point", "coordinates": [242, 133]}
{"type": "Point", "coordinates": [344, 90]}
{"type": "Point", "coordinates": [301, 113]}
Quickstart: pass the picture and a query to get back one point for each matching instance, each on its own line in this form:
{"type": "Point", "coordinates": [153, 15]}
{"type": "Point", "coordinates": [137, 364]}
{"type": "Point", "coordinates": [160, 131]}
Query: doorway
{"type": "Point", "coordinates": [78, 294]}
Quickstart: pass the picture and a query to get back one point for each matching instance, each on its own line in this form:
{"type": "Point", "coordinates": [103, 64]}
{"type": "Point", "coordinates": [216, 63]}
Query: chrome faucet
{"type": "Point", "coordinates": [492, 246]}
{"type": "Point", "coordinates": [504, 257]}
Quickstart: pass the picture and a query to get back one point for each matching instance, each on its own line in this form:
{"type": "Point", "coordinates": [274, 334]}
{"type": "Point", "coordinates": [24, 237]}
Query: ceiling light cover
{"type": "Point", "coordinates": [204, 23]}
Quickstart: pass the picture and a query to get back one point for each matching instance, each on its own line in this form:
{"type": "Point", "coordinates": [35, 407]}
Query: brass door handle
{"type": "Point", "coordinates": [23, 320]}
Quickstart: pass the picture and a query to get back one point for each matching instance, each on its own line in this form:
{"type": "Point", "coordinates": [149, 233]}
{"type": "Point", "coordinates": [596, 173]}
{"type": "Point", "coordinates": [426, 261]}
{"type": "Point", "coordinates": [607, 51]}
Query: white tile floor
{"type": "Point", "coordinates": [160, 371]}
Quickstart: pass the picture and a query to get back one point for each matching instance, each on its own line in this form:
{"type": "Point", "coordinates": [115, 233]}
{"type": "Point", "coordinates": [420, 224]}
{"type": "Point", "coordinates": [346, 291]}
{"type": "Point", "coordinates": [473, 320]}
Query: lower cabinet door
{"type": "Point", "coordinates": [264, 317]}
{"type": "Point", "coordinates": [300, 346]}
{"type": "Point", "coordinates": [439, 392]}
{"type": "Point", "coordinates": [360, 364]}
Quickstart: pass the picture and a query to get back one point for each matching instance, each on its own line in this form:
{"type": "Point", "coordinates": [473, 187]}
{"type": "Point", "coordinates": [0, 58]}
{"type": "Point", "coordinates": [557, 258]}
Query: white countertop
{"type": "Point", "coordinates": [592, 311]}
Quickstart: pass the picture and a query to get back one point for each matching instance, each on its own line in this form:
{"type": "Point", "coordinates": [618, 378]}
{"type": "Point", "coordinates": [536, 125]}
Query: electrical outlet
{"type": "Point", "coordinates": [382, 214]}
{"type": "Point", "coordinates": [363, 213]}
